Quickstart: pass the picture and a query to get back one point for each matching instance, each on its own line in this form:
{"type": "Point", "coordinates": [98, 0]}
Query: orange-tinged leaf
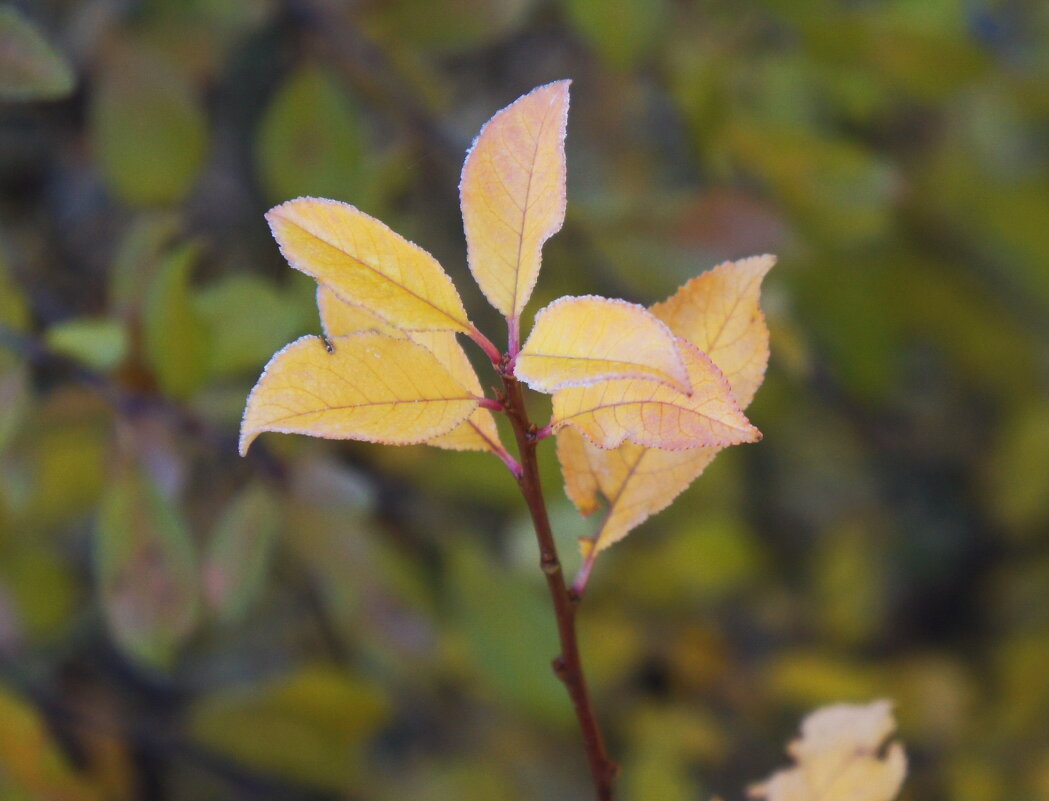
{"type": "Point", "coordinates": [839, 758]}
{"type": "Point", "coordinates": [655, 415]}
{"type": "Point", "coordinates": [636, 481]}
{"type": "Point", "coordinates": [582, 340]}
{"type": "Point", "coordinates": [513, 194]}
{"type": "Point", "coordinates": [719, 312]}
{"type": "Point", "coordinates": [370, 387]}
{"type": "Point", "coordinates": [147, 570]}
{"type": "Point", "coordinates": [367, 264]}
{"type": "Point", "coordinates": [478, 432]}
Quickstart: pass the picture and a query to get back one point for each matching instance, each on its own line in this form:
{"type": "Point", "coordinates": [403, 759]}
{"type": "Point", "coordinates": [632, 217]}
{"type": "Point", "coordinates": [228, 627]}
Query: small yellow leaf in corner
{"type": "Point", "coordinates": [578, 341]}
{"type": "Point", "coordinates": [512, 194]}
{"type": "Point", "coordinates": [399, 393]}
{"type": "Point", "coordinates": [367, 264]}
{"type": "Point", "coordinates": [839, 758]}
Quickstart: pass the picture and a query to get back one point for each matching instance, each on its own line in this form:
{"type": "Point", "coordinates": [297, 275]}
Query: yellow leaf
{"type": "Point", "coordinates": [340, 319]}
{"type": "Point", "coordinates": [582, 480]}
{"type": "Point", "coordinates": [370, 387]}
{"type": "Point", "coordinates": [582, 340]}
{"type": "Point", "coordinates": [367, 264]}
{"type": "Point", "coordinates": [636, 481]}
{"type": "Point", "coordinates": [838, 758]}
{"type": "Point", "coordinates": [718, 312]}
{"type": "Point", "coordinates": [653, 414]}
{"type": "Point", "coordinates": [513, 195]}
{"type": "Point", "coordinates": [478, 432]}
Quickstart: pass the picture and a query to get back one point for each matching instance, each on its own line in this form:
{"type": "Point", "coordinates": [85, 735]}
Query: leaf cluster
{"type": "Point", "coordinates": [643, 399]}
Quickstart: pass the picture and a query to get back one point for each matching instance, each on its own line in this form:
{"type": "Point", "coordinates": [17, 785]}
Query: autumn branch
{"type": "Point", "coordinates": [567, 666]}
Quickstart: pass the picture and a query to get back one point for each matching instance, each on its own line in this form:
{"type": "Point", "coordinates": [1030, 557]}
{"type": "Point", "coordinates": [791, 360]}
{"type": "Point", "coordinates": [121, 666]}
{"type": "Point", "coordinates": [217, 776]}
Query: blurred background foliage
{"type": "Point", "coordinates": [327, 620]}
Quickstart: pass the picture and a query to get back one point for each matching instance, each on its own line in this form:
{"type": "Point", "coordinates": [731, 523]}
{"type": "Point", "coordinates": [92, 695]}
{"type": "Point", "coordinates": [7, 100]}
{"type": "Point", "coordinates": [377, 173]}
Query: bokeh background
{"type": "Point", "coordinates": [344, 621]}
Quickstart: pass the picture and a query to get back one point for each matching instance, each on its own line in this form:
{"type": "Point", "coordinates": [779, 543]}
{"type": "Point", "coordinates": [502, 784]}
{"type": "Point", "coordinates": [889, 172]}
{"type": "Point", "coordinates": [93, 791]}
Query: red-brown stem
{"type": "Point", "coordinates": [567, 666]}
{"type": "Point", "coordinates": [486, 345]}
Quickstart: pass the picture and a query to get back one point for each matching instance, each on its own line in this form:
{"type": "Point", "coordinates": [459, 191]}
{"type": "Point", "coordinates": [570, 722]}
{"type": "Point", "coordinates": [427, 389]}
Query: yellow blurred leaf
{"type": "Point", "coordinates": [31, 761]}
{"type": "Point", "coordinates": [365, 263]}
{"type": "Point", "coordinates": [371, 387]}
{"type": "Point", "coordinates": [513, 195]}
{"type": "Point", "coordinates": [655, 415]}
{"type": "Point", "coordinates": [578, 341]}
{"type": "Point", "coordinates": [308, 726]}
{"type": "Point", "coordinates": [838, 758]}
{"type": "Point", "coordinates": [478, 432]}
{"type": "Point", "coordinates": [719, 312]}
{"type": "Point", "coordinates": [803, 678]}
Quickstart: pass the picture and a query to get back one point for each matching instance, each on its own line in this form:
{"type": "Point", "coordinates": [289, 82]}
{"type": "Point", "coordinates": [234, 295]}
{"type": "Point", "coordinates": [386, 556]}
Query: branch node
{"type": "Point", "coordinates": [560, 670]}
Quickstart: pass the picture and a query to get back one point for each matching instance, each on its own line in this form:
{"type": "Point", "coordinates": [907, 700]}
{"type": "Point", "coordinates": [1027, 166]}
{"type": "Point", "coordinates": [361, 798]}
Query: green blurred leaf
{"type": "Point", "coordinates": [622, 31]}
{"type": "Point", "coordinates": [30, 761]}
{"type": "Point", "coordinates": [848, 583]}
{"type": "Point", "coordinates": [99, 342]}
{"type": "Point", "coordinates": [510, 636]}
{"type": "Point", "coordinates": [706, 558]}
{"type": "Point", "coordinates": [239, 553]}
{"type": "Point", "coordinates": [1022, 663]}
{"type": "Point", "coordinates": [149, 131]}
{"type": "Point", "coordinates": [852, 310]}
{"type": "Point", "coordinates": [178, 345]}
{"type": "Point", "coordinates": [662, 744]}
{"type": "Point", "coordinates": [307, 727]}
{"type": "Point", "coordinates": [68, 459]}
{"type": "Point", "coordinates": [31, 68]}
{"type": "Point", "coordinates": [14, 309]}
{"type": "Point", "coordinates": [975, 777]}
{"type": "Point", "coordinates": [485, 774]}
{"type": "Point", "coordinates": [137, 259]}
{"type": "Point", "coordinates": [310, 141]}
{"type": "Point", "coordinates": [146, 570]}
{"type": "Point", "coordinates": [235, 305]}
{"type": "Point", "coordinates": [444, 27]}
{"type": "Point", "coordinates": [840, 191]}
{"type": "Point", "coordinates": [42, 588]}
{"type": "Point", "coordinates": [14, 399]}
{"type": "Point", "coordinates": [1015, 477]}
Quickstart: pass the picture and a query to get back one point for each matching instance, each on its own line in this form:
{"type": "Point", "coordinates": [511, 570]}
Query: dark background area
{"type": "Point", "coordinates": [339, 620]}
